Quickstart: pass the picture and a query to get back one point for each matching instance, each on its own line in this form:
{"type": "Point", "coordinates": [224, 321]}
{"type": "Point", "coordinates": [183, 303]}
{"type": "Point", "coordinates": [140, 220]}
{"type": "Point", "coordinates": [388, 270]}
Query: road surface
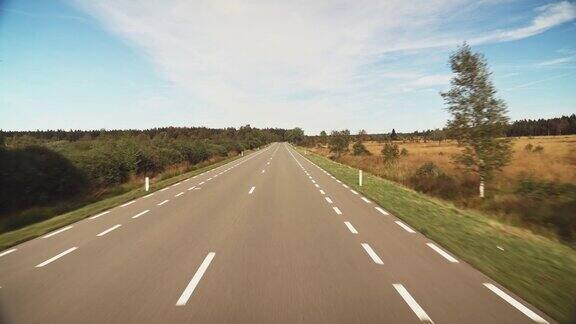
{"type": "Point", "coordinates": [268, 238]}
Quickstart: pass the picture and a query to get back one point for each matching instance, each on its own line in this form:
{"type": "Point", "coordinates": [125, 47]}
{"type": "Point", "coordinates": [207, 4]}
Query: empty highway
{"type": "Point", "coordinates": [267, 238]}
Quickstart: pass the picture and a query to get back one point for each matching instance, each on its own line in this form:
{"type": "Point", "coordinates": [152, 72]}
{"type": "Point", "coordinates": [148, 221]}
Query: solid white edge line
{"type": "Point", "coordinates": [162, 203]}
{"type": "Point", "coordinates": [251, 190]}
{"type": "Point", "coordinates": [8, 252]}
{"type": "Point", "coordinates": [195, 280]}
{"type": "Point", "coordinates": [56, 257]}
{"type": "Point", "coordinates": [57, 232]}
{"type": "Point", "coordinates": [141, 213]}
{"type": "Point", "coordinates": [109, 230]}
{"type": "Point", "coordinates": [381, 210]}
{"type": "Point", "coordinates": [372, 254]}
{"type": "Point", "coordinates": [516, 304]}
{"type": "Point", "coordinates": [337, 210]}
{"type": "Point", "coordinates": [442, 252]}
{"type": "Point", "coordinates": [412, 303]}
{"type": "Point", "coordinates": [98, 215]}
{"type": "Point", "coordinates": [351, 227]}
{"type": "Point", "coordinates": [405, 227]}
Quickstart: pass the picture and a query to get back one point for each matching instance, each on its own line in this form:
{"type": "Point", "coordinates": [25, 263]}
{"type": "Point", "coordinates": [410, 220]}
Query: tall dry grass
{"type": "Point", "coordinates": [551, 167]}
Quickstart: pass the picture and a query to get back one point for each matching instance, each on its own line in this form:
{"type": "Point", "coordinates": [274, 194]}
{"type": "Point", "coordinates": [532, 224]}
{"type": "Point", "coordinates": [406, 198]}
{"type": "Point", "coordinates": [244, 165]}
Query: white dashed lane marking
{"type": "Point", "coordinates": [57, 231]}
{"type": "Point", "coordinates": [56, 257]}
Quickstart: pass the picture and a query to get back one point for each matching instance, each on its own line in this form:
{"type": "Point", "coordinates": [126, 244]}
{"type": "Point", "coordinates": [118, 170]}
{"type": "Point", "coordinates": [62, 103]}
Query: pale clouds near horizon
{"type": "Point", "coordinates": [315, 64]}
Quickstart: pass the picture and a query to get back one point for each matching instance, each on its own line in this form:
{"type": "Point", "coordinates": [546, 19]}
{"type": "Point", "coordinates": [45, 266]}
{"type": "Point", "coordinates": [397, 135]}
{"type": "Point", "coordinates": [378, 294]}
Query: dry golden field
{"type": "Point", "coordinates": [557, 161]}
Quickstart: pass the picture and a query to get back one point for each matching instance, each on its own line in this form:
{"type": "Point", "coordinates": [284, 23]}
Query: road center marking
{"type": "Point", "coordinates": [337, 210]}
{"type": "Point", "coordinates": [372, 254]}
{"type": "Point", "coordinates": [162, 203]}
{"type": "Point", "coordinates": [192, 188]}
{"type": "Point", "coordinates": [412, 303]}
{"type": "Point", "coordinates": [366, 200]}
{"type": "Point", "coordinates": [179, 194]}
{"type": "Point", "coordinates": [195, 280]}
{"type": "Point", "coordinates": [351, 228]}
{"type": "Point", "coordinates": [56, 257]}
{"type": "Point", "coordinates": [354, 191]}
{"type": "Point", "coordinates": [328, 200]}
{"type": "Point", "coordinates": [109, 230]}
{"type": "Point", "coordinates": [251, 190]}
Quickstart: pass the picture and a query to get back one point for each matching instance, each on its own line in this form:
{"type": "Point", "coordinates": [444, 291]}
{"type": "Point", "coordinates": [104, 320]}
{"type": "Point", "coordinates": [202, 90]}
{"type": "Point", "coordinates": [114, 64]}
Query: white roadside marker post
{"type": "Point", "coordinates": [360, 178]}
{"type": "Point", "coordinates": [242, 153]}
{"type": "Point", "coordinates": [147, 184]}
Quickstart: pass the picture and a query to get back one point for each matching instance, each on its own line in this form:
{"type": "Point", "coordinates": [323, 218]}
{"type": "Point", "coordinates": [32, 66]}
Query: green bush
{"type": "Point", "coordinates": [359, 149]}
{"type": "Point", "coordinates": [430, 179]}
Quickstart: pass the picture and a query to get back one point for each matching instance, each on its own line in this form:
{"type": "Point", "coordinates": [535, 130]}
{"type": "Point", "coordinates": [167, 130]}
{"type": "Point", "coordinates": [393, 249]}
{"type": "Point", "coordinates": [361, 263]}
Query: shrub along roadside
{"type": "Point", "coordinates": [31, 231]}
{"type": "Point", "coordinates": [540, 270]}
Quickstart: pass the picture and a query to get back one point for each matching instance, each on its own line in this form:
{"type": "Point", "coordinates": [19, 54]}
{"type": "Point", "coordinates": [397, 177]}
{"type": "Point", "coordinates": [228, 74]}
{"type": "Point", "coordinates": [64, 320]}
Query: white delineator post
{"type": "Point", "coordinates": [360, 178]}
{"type": "Point", "coordinates": [147, 183]}
{"type": "Point", "coordinates": [242, 153]}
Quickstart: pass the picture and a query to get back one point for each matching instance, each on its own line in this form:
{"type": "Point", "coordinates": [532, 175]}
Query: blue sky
{"type": "Point", "coordinates": [373, 65]}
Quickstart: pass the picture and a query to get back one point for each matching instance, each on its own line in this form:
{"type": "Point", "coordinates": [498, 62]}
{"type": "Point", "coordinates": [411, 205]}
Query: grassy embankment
{"type": "Point", "coordinates": [12, 238]}
{"type": "Point", "coordinates": [536, 190]}
{"type": "Point", "coordinates": [539, 269]}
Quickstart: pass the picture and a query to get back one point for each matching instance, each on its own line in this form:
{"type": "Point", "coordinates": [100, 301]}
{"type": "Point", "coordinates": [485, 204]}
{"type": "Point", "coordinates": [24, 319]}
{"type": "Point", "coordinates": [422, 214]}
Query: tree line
{"type": "Point", "coordinates": [40, 168]}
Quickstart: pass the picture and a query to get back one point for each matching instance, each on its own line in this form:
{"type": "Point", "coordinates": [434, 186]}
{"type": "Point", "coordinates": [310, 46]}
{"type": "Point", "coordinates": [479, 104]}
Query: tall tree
{"type": "Point", "coordinates": [479, 119]}
{"type": "Point", "coordinates": [323, 137]}
{"type": "Point", "coordinates": [339, 141]}
{"type": "Point", "coordinates": [393, 135]}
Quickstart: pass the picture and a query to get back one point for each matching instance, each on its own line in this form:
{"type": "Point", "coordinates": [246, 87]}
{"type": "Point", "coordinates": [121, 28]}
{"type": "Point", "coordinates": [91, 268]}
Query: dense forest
{"type": "Point", "coordinates": [565, 125]}
{"type": "Point", "coordinates": [43, 168]}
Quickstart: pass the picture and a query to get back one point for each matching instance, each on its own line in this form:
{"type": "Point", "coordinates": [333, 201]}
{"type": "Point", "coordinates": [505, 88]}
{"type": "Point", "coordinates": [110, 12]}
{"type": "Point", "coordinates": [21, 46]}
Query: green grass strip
{"type": "Point", "coordinates": [538, 269]}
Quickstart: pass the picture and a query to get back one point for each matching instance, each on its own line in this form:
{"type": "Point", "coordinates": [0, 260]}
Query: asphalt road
{"type": "Point", "coordinates": [268, 238]}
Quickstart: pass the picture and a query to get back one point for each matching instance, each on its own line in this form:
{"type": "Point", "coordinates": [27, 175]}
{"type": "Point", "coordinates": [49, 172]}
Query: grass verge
{"type": "Point", "coordinates": [26, 233]}
{"type": "Point", "coordinates": [538, 269]}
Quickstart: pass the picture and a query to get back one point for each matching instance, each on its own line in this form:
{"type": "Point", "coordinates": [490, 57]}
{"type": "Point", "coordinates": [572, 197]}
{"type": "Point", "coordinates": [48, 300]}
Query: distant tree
{"type": "Point", "coordinates": [323, 137]}
{"type": "Point", "coordinates": [362, 135]}
{"type": "Point", "coordinates": [295, 135]}
{"type": "Point", "coordinates": [390, 153]}
{"type": "Point", "coordinates": [339, 141]}
{"type": "Point", "coordinates": [479, 120]}
{"type": "Point", "coordinates": [438, 135]}
{"type": "Point", "coordinates": [393, 135]}
{"type": "Point", "coordinates": [358, 148]}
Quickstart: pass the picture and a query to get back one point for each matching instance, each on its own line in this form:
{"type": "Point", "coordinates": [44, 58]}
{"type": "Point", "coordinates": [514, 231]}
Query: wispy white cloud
{"type": "Point", "coordinates": [291, 61]}
{"type": "Point", "coordinates": [558, 61]}
{"type": "Point", "coordinates": [547, 17]}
